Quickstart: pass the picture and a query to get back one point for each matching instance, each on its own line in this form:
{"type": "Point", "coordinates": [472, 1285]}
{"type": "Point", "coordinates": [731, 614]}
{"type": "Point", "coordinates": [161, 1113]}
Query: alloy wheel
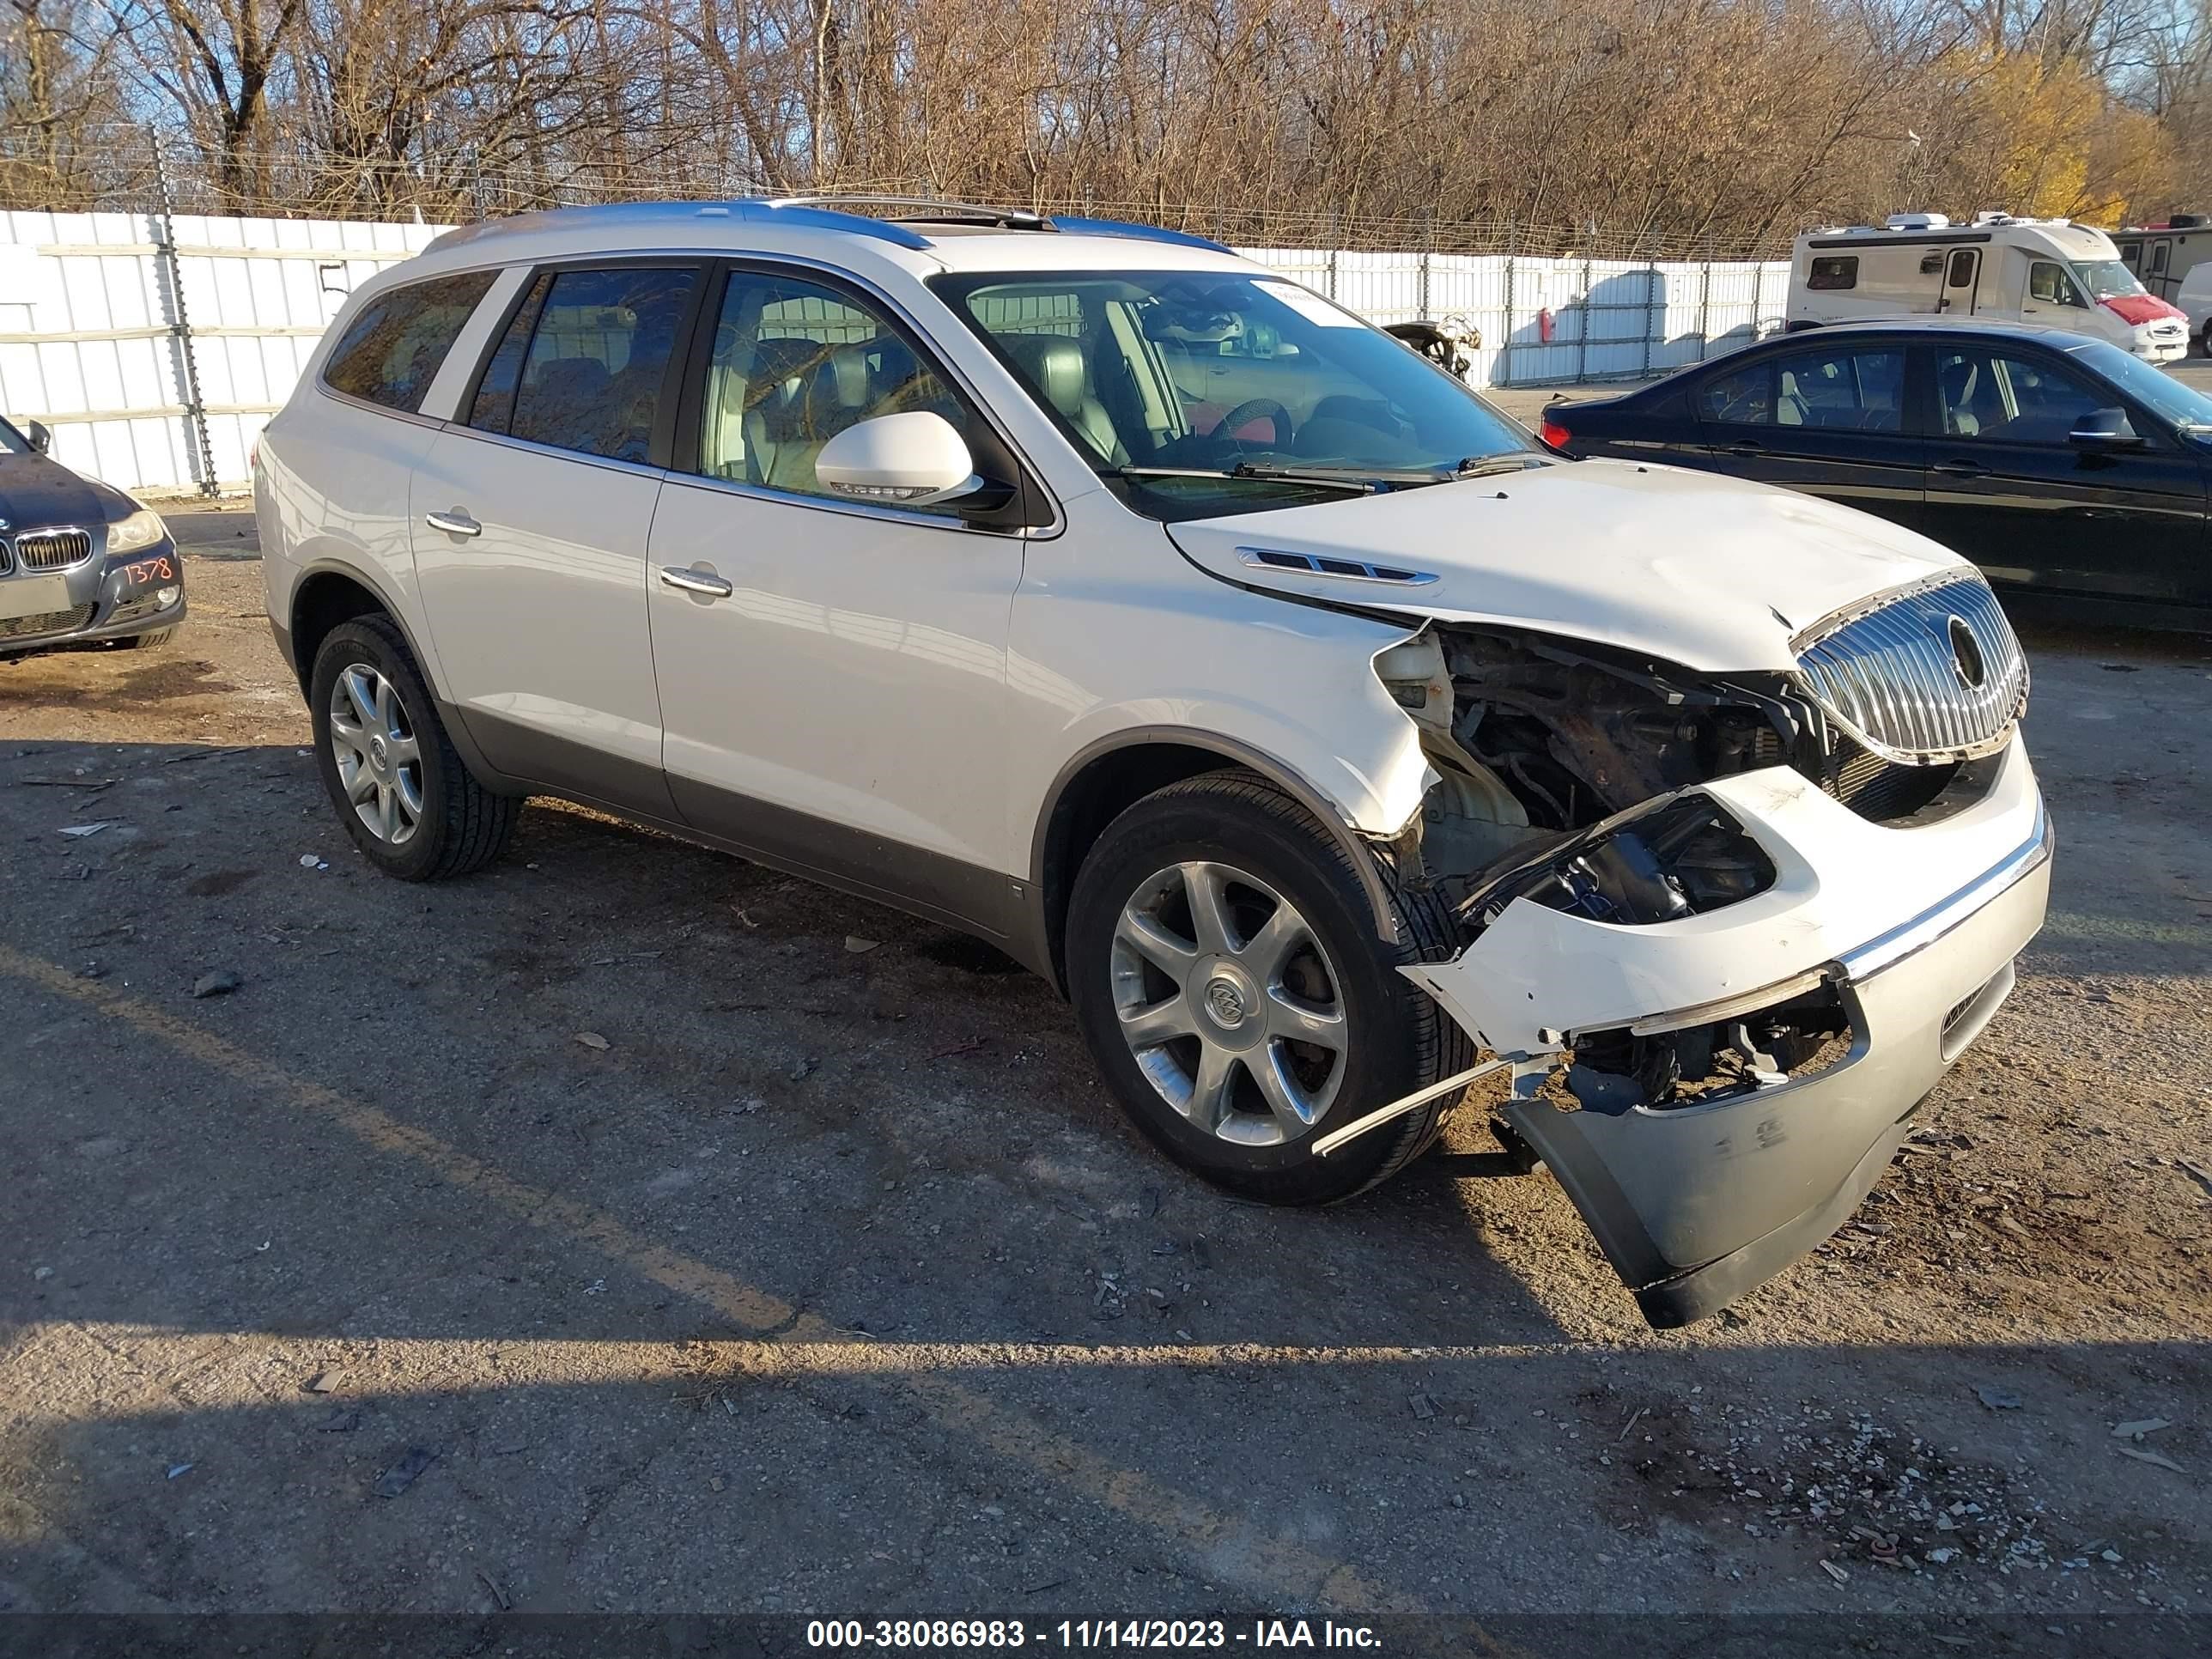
{"type": "Point", "coordinates": [380, 763]}
{"type": "Point", "coordinates": [1228, 1003]}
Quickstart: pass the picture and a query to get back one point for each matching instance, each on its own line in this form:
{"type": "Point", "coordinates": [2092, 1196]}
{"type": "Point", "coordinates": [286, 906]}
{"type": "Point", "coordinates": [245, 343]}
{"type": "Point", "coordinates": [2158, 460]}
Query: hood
{"type": "Point", "coordinates": [2140, 308]}
{"type": "Point", "coordinates": [36, 491]}
{"type": "Point", "coordinates": [1711, 573]}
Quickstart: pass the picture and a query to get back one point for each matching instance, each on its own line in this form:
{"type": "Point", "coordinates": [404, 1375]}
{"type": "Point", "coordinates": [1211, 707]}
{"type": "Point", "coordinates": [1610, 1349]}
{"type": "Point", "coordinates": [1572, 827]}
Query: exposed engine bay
{"type": "Point", "coordinates": [1562, 773]}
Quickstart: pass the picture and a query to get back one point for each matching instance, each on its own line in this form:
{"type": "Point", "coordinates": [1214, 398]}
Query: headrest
{"type": "Point", "coordinates": [848, 374]}
{"type": "Point", "coordinates": [1054, 364]}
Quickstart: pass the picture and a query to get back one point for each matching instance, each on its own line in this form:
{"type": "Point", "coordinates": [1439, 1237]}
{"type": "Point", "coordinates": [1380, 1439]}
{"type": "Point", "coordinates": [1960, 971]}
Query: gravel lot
{"type": "Point", "coordinates": [821, 1276]}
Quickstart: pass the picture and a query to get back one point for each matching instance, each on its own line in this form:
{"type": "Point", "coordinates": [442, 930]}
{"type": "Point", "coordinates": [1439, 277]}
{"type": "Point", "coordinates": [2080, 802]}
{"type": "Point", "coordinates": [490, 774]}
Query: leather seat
{"type": "Point", "coordinates": [1053, 365]}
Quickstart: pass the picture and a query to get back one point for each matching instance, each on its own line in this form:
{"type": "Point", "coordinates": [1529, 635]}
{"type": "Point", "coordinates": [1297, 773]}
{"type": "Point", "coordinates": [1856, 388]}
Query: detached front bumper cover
{"type": "Point", "coordinates": [1915, 929]}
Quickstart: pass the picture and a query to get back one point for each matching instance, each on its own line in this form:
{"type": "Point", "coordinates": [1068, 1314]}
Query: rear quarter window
{"type": "Point", "coordinates": [391, 351]}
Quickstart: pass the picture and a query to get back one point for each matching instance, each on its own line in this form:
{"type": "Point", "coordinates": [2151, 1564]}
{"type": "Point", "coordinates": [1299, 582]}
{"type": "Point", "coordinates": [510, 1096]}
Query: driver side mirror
{"type": "Point", "coordinates": [2105, 429]}
{"type": "Point", "coordinates": [42, 437]}
{"type": "Point", "coordinates": [910, 460]}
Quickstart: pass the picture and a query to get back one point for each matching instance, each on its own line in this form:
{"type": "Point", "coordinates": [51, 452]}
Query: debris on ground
{"type": "Point", "coordinates": [402, 1474]}
{"type": "Point", "coordinates": [2139, 1427]}
{"type": "Point", "coordinates": [220, 983]}
{"type": "Point", "coordinates": [324, 1382]}
{"type": "Point", "coordinates": [177, 1469]}
{"type": "Point", "coordinates": [309, 861]}
{"type": "Point", "coordinates": [860, 946]}
{"type": "Point", "coordinates": [342, 1419]}
{"type": "Point", "coordinates": [79, 831]}
{"type": "Point", "coordinates": [2158, 1458]}
{"type": "Point", "coordinates": [593, 1040]}
{"type": "Point", "coordinates": [1996, 1398]}
{"type": "Point", "coordinates": [1424, 1407]}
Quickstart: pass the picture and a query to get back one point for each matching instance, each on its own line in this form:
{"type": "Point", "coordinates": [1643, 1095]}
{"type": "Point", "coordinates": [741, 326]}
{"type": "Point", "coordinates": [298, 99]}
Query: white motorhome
{"type": "Point", "coordinates": [2049, 271]}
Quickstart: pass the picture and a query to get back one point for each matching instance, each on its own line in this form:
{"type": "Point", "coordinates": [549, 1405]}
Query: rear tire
{"type": "Point", "coordinates": [1202, 1026]}
{"type": "Point", "coordinates": [402, 790]}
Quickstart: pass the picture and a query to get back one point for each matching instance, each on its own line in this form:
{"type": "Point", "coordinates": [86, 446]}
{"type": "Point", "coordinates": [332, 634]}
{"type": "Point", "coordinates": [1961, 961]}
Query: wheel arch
{"type": "Point", "coordinates": [1109, 776]}
{"type": "Point", "coordinates": [329, 594]}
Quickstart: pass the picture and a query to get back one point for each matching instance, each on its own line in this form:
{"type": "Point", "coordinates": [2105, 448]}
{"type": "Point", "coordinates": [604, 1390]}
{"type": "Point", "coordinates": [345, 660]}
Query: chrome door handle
{"type": "Point", "coordinates": [696, 582]}
{"type": "Point", "coordinates": [454, 521]}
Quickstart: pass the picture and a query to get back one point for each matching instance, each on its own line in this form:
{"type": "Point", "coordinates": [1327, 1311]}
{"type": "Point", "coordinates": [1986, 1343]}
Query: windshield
{"type": "Point", "coordinates": [2106, 279]}
{"type": "Point", "coordinates": [13, 442]}
{"type": "Point", "coordinates": [2161, 392]}
{"type": "Point", "coordinates": [1203, 392]}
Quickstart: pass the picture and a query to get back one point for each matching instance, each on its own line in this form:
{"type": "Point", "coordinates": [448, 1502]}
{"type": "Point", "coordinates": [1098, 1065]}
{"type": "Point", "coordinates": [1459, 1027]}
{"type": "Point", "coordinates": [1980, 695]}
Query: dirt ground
{"type": "Point", "coordinates": [630, 1228]}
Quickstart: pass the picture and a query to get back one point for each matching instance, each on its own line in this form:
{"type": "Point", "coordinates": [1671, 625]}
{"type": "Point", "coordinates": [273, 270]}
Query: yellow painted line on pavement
{"type": "Point", "coordinates": [802, 1342]}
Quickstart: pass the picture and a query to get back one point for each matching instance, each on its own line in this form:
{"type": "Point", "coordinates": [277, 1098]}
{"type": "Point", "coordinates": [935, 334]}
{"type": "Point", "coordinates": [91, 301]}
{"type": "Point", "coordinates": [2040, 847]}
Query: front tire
{"type": "Point", "coordinates": [402, 790]}
{"type": "Point", "coordinates": [1224, 962]}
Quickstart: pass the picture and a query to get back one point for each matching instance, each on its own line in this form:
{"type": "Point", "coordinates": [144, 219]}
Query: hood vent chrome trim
{"type": "Point", "coordinates": [1321, 564]}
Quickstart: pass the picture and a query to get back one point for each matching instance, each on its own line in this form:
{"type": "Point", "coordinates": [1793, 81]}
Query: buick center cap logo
{"type": "Point", "coordinates": [1966, 659]}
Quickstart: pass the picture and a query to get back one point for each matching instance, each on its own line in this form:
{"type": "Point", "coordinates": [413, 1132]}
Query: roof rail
{"type": "Point", "coordinates": [940, 211]}
{"type": "Point", "coordinates": [1010, 218]}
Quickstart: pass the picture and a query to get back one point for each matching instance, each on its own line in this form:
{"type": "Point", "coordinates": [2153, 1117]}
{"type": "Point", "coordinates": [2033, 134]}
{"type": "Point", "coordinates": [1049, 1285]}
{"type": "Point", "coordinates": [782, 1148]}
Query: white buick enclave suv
{"type": "Point", "coordinates": [1091, 589]}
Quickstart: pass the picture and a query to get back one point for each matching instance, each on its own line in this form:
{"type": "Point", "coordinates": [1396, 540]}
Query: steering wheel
{"type": "Point", "coordinates": [1252, 409]}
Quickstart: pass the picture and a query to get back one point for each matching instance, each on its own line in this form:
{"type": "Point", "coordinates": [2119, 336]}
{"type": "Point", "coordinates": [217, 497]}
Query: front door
{"type": "Point", "coordinates": [529, 520]}
{"type": "Point", "coordinates": [833, 673]}
{"type": "Point", "coordinates": [2006, 488]}
{"type": "Point", "coordinates": [1829, 418]}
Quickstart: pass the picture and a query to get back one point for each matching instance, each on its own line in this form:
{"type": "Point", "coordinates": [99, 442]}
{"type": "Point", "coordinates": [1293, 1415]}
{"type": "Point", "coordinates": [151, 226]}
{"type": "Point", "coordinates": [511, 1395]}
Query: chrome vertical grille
{"type": "Point", "coordinates": [53, 550]}
{"type": "Point", "coordinates": [1930, 672]}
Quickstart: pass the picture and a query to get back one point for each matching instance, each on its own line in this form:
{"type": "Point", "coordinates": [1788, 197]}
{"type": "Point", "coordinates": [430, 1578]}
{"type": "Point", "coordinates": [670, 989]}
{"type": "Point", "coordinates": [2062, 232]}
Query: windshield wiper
{"type": "Point", "coordinates": [1515, 460]}
{"type": "Point", "coordinates": [1361, 478]}
{"type": "Point", "coordinates": [1333, 480]}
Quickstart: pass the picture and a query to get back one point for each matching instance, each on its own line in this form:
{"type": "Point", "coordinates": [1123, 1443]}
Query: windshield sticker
{"type": "Point", "coordinates": [1310, 306]}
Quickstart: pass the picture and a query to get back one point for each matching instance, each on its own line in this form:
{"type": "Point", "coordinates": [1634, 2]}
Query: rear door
{"type": "Point", "coordinates": [530, 517]}
{"type": "Point", "coordinates": [1829, 417]}
{"type": "Point", "coordinates": [2009, 489]}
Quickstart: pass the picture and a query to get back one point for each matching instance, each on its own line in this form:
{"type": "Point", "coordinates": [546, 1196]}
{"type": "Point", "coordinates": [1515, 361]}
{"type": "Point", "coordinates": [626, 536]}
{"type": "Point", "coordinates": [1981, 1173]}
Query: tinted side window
{"type": "Point", "coordinates": [1861, 391]}
{"type": "Point", "coordinates": [2009, 399]}
{"type": "Point", "coordinates": [796, 363]}
{"type": "Point", "coordinates": [390, 354]}
{"type": "Point", "coordinates": [1842, 272]}
{"type": "Point", "coordinates": [495, 400]}
{"type": "Point", "coordinates": [1742, 397]}
{"type": "Point", "coordinates": [593, 376]}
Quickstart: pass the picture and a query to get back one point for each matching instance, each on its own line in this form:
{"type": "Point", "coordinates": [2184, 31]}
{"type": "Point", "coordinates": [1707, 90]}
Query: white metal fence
{"type": "Point", "coordinates": [155, 349]}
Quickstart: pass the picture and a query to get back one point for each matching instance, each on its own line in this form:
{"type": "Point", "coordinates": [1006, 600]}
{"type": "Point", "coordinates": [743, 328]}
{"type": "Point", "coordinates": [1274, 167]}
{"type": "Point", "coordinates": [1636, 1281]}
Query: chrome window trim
{"type": "Point", "coordinates": [530, 446]}
{"type": "Point", "coordinates": [349, 399]}
{"type": "Point", "coordinates": [854, 509]}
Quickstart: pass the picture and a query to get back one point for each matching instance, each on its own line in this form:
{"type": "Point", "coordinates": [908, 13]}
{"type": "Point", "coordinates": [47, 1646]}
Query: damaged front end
{"type": "Point", "coordinates": [1727, 930]}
